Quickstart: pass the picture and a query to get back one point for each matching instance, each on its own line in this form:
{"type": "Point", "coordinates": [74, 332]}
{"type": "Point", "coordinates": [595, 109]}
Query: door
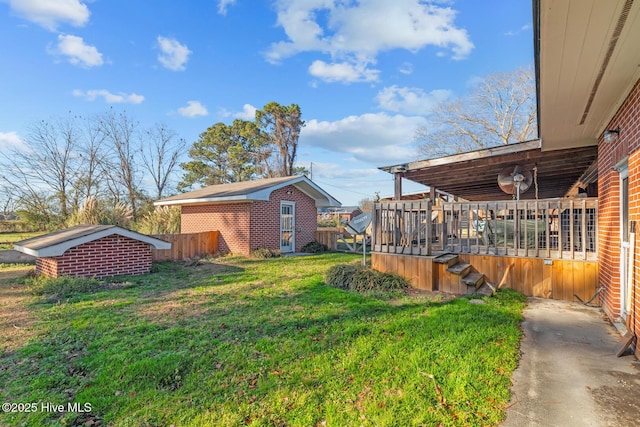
{"type": "Point", "coordinates": [287, 225]}
{"type": "Point", "coordinates": [624, 242]}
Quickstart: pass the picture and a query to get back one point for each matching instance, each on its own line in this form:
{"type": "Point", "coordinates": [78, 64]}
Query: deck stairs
{"type": "Point", "coordinates": [474, 280]}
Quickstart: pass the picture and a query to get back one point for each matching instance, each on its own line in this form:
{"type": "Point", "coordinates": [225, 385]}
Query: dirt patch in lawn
{"type": "Point", "coordinates": [16, 320]}
{"type": "Point", "coordinates": [423, 296]}
{"type": "Point", "coordinates": [172, 308]}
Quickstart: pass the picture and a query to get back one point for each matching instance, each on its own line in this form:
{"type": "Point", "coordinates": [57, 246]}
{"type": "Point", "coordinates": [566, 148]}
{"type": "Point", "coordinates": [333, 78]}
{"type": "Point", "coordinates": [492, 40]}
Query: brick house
{"type": "Point", "coordinates": [571, 236]}
{"type": "Point", "coordinates": [275, 213]}
{"type": "Point", "coordinates": [588, 83]}
{"type": "Point", "coordinates": [92, 251]}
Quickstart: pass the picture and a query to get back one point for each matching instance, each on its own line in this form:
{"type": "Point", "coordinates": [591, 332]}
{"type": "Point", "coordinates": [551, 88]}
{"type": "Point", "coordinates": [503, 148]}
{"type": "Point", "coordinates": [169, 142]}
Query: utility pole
{"type": "Point", "coordinates": [311, 171]}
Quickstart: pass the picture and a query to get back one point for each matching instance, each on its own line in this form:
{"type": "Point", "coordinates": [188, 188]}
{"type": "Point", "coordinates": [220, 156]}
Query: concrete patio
{"type": "Point", "coordinates": [569, 374]}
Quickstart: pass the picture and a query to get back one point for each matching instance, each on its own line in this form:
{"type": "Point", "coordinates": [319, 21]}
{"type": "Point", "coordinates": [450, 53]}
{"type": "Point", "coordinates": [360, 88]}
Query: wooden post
{"type": "Point", "coordinates": [397, 187]}
{"type": "Point", "coordinates": [428, 229]}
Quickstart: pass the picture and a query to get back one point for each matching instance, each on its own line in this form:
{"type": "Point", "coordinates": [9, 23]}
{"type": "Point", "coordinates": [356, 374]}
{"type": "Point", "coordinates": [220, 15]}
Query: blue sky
{"type": "Point", "coordinates": [365, 73]}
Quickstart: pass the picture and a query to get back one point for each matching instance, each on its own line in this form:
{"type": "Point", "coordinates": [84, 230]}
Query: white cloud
{"type": "Point", "coordinates": [525, 27]}
{"type": "Point", "coordinates": [11, 141]}
{"type": "Point", "coordinates": [331, 170]}
{"type": "Point", "coordinates": [223, 5]}
{"type": "Point", "coordinates": [474, 81]}
{"type": "Point", "coordinates": [49, 13]}
{"type": "Point", "coordinates": [357, 32]}
{"type": "Point", "coordinates": [378, 139]}
{"type": "Point", "coordinates": [248, 113]}
{"type": "Point", "coordinates": [109, 98]}
{"type": "Point", "coordinates": [343, 72]}
{"type": "Point", "coordinates": [193, 109]}
{"type": "Point", "coordinates": [173, 55]}
{"type": "Point", "coordinates": [406, 68]}
{"type": "Point", "coordinates": [77, 52]}
{"type": "Point", "coordinates": [410, 100]}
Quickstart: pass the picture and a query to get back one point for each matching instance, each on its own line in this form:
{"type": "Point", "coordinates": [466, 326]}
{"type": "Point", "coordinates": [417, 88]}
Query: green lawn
{"type": "Point", "coordinates": [8, 239]}
{"type": "Point", "coordinates": [260, 343]}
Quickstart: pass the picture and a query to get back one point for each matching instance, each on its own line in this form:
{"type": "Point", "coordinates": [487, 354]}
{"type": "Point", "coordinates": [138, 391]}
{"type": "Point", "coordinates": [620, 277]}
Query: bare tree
{"type": "Point", "coordinates": [366, 205]}
{"type": "Point", "coordinates": [34, 205]}
{"type": "Point", "coordinates": [500, 110]}
{"type": "Point", "coordinates": [66, 161]}
{"type": "Point", "coordinates": [8, 199]}
{"type": "Point", "coordinates": [160, 155]}
{"type": "Point", "coordinates": [49, 165]}
{"type": "Point", "coordinates": [92, 154]}
{"type": "Point", "coordinates": [119, 131]}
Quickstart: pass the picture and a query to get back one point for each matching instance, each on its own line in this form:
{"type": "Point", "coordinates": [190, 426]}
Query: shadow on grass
{"type": "Point", "coordinates": [224, 345]}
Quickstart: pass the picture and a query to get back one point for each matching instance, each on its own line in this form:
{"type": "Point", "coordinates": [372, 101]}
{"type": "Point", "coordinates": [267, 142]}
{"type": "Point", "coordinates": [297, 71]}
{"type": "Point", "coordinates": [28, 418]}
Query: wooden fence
{"type": "Point", "coordinates": [188, 245]}
{"type": "Point", "coordinates": [328, 236]}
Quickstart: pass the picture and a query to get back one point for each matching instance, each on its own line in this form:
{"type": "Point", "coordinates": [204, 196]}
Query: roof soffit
{"type": "Point", "coordinates": [585, 71]}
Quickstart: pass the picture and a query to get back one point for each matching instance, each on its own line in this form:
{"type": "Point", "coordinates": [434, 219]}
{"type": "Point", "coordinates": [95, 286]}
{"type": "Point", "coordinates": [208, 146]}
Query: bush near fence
{"type": "Point", "coordinates": [14, 226]}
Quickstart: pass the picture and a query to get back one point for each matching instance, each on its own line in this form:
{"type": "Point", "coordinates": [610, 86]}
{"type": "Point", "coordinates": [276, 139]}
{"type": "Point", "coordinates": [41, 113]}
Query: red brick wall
{"type": "Point", "coordinates": [609, 154]}
{"type": "Point", "coordinates": [47, 266]}
{"type": "Point", "coordinates": [110, 256]}
{"type": "Point", "coordinates": [265, 219]}
{"type": "Point", "coordinates": [231, 219]}
{"type": "Point", "coordinates": [247, 226]}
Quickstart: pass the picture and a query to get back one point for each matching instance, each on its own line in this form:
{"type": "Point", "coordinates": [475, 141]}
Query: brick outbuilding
{"type": "Point", "coordinates": [92, 251]}
{"type": "Point", "coordinates": [275, 213]}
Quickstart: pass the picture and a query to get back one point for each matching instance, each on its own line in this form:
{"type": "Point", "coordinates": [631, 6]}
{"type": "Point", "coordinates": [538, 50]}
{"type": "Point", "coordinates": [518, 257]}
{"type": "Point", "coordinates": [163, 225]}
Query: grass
{"type": "Point", "coordinates": [8, 239]}
{"type": "Point", "coordinates": [260, 343]}
{"type": "Point", "coordinates": [4, 265]}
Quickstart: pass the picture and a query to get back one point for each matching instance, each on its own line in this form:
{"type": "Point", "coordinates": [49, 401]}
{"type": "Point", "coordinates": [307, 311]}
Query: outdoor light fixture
{"type": "Point", "coordinates": [611, 135]}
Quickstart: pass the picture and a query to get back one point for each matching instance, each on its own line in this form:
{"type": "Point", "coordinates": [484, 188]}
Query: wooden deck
{"type": "Point", "coordinates": [552, 228]}
{"type": "Point", "coordinates": [551, 244]}
{"type": "Point", "coordinates": [535, 277]}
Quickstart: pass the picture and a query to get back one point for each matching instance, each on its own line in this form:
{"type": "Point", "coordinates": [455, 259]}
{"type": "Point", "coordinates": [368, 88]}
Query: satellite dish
{"type": "Point", "coordinates": [359, 224]}
{"type": "Point", "coordinates": [515, 180]}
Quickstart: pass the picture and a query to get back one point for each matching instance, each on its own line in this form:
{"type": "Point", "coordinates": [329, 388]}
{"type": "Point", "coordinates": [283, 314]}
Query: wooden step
{"type": "Point", "coordinates": [449, 259]}
{"type": "Point", "coordinates": [460, 268]}
{"type": "Point", "coordinates": [473, 279]}
{"type": "Point", "coordinates": [485, 290]}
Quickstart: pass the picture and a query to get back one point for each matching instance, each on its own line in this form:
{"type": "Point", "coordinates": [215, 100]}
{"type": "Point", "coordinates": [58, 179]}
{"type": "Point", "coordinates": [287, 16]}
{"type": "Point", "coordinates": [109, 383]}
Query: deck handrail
{"type": "Point", "coordinates": [561, 228]}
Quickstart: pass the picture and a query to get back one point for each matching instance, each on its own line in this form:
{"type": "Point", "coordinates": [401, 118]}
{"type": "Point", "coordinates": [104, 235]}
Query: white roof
{"type": "Point", "coordinates": [58, 242]}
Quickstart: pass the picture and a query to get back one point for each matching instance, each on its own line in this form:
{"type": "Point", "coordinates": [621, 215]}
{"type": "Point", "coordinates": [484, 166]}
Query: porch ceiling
{"type": "Point", "coordinates": [587, 61]}
{"type": "Point", "coordinates": [473, 176]}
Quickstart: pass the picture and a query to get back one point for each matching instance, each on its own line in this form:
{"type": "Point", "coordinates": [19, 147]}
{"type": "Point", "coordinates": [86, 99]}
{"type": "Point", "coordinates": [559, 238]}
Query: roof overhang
{"type": "Point", "coordinates": [473, 175]}
{"type": "Point", "coordinates": [587, 61]}
{"type": "Point", "coordinates": [204, 201]}
{"type": "Point", "coordinates": [57, 243]}
{"type": "Point", "coordinates": [302, 183]}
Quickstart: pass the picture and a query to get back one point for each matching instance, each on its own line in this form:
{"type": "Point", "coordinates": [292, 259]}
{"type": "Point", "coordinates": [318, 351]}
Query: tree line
{"type": "Point", "coordinates": [75, 168]}
{"type": "Point", "coordinates": [108, 168]}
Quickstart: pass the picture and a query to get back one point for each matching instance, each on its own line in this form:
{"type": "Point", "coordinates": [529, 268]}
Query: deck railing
{"type": "Point", "coordinates": [549, 228]}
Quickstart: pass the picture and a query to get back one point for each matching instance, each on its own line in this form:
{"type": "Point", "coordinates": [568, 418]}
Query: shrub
{"type": "Point", "coordinates": [14, 226]}
{"type": "Point", "coordinates": [364, 280]}
{"type": "Point", "coordinates": [161, 220]}
{"type": "Point", "coordinates": [264, 253]}
{"type": "Point", "coordinates": [94, 213]}
{"type": "Point", "coordinates": [314, 248]}
{"type": "Point", "coordinates": [62, 286]}
{"type": "Point", "coordinates": [329, 222]}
